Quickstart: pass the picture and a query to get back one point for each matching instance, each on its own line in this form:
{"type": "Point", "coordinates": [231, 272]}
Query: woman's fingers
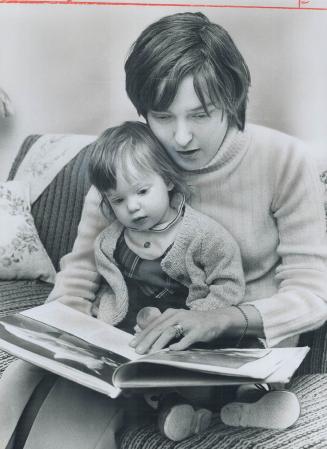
{"type": "Point", "coordinates": [167, 335]}
{"type": "Point", "coordinates": [197, 326]}
{"type": "Point", "coordinates": [157, 338]}
{"type": "Point", "coordinates": [156, 327]}
{"type": "Point", "coordinates": [200, 332]}
{"type": "Point", "coordinates": [159, 333]}
{"type": "Point", "coordinates": [184, 343]}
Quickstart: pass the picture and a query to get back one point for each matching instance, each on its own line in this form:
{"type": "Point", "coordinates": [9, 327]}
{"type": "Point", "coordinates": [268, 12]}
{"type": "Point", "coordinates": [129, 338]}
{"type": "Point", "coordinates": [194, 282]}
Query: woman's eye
{"type": "Point", "coordinates": [162, 117]}
{"type": "Point", "coordinates": [201, 115]}
{"type": "Point", "coordinates": [142, 191]}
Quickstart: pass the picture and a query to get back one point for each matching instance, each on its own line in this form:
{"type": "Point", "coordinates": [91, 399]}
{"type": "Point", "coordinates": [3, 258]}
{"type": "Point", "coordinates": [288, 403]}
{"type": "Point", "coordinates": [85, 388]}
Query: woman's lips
{"type": "Point", "coordinates": [188, 154]}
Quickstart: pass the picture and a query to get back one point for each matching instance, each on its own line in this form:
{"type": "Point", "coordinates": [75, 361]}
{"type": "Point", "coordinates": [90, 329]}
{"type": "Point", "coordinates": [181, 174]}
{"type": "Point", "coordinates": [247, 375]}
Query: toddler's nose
{"type": "Point", "coordinates": [133, 205]}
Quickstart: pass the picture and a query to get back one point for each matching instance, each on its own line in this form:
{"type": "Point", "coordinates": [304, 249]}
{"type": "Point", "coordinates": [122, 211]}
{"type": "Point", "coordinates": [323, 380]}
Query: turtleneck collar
{"type": "Point", "coordinates": [233, 144]}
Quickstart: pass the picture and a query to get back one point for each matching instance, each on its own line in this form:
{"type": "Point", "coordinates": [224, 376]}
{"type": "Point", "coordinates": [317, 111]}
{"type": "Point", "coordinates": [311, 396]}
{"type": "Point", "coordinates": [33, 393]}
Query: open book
{"type": "Point", "coordinates": [87, 351]}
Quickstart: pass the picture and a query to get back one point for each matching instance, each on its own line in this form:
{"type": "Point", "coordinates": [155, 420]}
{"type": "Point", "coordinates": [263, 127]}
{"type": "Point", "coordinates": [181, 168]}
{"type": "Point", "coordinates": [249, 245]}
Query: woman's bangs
{"type": "Point", "coordinates": [166, 93]}
{"type": "Point", "coordinates": [205, 86]}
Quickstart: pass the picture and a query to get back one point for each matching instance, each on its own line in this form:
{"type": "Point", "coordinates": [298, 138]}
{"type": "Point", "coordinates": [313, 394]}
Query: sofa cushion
{"type": "Point", "coordinates": [22, 255]}
{"type": "Point", "coordinates": [57, 211]}
{"type": "Point", "coordinates": [16, 296]}
{"type": "Point", "coordinates": [315, 361]}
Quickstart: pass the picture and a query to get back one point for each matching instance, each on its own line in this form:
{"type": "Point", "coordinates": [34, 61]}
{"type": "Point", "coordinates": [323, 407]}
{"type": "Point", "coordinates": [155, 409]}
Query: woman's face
{"type": "Point", "coordinates": [190, 136]}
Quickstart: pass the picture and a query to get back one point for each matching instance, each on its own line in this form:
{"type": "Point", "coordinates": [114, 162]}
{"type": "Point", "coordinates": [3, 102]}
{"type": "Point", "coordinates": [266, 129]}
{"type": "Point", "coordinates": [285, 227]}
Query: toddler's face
{"type": "Point", "coordinates": [141, 201]}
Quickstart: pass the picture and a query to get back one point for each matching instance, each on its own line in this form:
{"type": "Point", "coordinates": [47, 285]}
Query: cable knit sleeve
{"type": "Point", "coordinates": [300, 304]}
{"type": "Point", "coordinates": [77, 282]}
{"type": "Point", "coordinates": [217, 265]}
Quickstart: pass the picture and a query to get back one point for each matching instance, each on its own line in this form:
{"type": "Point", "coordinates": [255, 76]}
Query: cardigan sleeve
{"type": "Point", "coordinates": [78, 281]}
{"type": "Point", "coordinates": [300, 303]}
{"type": "Point", "coordinates": [218, 257]}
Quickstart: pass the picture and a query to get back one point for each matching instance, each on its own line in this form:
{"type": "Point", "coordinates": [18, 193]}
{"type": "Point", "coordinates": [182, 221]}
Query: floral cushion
{"type": "Point", "coordinates": [22, 255]}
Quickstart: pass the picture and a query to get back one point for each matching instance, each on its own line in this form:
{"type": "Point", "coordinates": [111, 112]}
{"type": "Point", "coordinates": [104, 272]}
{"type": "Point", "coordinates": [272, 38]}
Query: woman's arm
{"type": "Point", "coordinates": [300, 304]}
{"type": "Point", "coordinates": [197, 327]}
{"type": "Point", "coordinates": [78, 280]}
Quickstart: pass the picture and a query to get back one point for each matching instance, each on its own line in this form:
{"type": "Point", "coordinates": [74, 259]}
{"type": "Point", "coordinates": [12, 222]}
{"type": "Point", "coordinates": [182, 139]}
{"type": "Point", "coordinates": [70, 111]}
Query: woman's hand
{"type": "Point", "coordinates": [197, 327]}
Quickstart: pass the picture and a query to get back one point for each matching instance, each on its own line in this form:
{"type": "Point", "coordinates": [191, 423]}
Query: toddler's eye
{"type": "Point", "coordinates": [116, 200]}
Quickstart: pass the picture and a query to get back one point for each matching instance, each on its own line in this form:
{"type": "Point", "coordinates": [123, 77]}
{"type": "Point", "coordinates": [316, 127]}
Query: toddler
{"type": "Point", "coordinates": [157, 252]}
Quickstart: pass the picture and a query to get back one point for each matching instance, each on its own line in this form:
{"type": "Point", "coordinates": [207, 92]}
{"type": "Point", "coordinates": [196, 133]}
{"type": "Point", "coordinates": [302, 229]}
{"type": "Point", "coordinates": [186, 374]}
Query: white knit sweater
{"type": "Point", "coordinates": [263, 187]}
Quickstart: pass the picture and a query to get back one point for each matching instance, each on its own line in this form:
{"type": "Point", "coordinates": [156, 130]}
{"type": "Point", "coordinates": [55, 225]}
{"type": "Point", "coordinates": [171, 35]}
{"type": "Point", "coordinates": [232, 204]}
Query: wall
{"type": "Point", "coordinates": [62, 66]}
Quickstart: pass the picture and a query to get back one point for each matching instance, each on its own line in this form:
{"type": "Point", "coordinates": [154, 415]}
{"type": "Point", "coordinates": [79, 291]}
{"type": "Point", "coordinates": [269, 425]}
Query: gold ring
{"type": "Point", "coordinates": [179, 331]}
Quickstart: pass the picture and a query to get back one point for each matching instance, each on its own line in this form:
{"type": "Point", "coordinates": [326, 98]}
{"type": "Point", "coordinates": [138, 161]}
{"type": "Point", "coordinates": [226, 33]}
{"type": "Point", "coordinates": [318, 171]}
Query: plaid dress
{"type": "Point", "coordinates": [147, 284]}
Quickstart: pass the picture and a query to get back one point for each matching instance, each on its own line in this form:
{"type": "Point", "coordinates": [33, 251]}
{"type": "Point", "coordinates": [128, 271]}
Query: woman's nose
{"type": "Point", "coordinates": [183, 134]}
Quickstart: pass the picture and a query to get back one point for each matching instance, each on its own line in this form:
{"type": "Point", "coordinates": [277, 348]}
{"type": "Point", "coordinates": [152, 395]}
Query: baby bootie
{"type": "Point", "coordinates": [178, 420]}
{"type": "Point", "coordinates": [274, 410]}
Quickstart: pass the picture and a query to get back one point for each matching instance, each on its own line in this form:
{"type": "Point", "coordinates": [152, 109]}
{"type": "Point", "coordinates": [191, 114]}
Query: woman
{"type": "Point", "coordinates": [186, 77]}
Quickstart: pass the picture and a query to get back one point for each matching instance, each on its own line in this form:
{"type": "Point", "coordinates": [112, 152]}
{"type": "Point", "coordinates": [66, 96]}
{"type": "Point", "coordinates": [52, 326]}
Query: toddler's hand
{"type": "Point", "coordinates": [137, 329]}
{"type": "Point", "coordinates": [145, 317]}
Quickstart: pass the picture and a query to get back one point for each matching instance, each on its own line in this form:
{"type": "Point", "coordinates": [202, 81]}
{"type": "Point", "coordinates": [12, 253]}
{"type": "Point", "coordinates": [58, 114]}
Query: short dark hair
{"type": "Point", "coordinates": [187, 44]}
{"type": "Point", "coordinates": [130, 142]}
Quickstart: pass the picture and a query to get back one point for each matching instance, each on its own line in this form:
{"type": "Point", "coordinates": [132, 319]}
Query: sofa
{"type": "Point", "coordinates": [56, 214]}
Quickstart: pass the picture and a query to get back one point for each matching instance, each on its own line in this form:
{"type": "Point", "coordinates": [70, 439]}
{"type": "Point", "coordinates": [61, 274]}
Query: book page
{"type": "Point", "coordinates": [84, 326]}
{"type": "Point", "coordinates": [256, 363]}
{"type": "Point", "coordinates": [60, 352]}
{"type": "Point", "coordinates": [214, 367]}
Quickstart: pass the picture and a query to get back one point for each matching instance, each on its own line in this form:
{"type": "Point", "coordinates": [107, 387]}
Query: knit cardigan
{"type": "Point", "coordinates": [204, 257]}
{"type": "Point", "coordinates": [264, 189]}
